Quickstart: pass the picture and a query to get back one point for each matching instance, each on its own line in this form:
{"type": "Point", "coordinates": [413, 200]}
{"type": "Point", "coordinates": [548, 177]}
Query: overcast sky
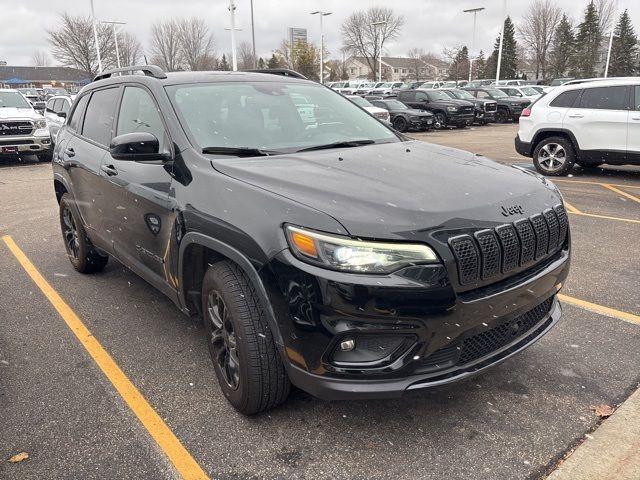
{"type": "Point", "coordinates": [429, 24]}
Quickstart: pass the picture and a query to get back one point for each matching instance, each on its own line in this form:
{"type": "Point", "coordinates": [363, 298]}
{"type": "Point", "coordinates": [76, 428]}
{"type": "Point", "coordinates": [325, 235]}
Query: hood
{"type": "Point", "coordinates": [515, 100]}
{"type": "Point", "coordinates": [417, 111]}
{"type": "Point", "coordinates": [12, 113]}
{"type": "Point", "coordinates": [454, 102]}
{"type": "Point", "coordinates": [396, 190]}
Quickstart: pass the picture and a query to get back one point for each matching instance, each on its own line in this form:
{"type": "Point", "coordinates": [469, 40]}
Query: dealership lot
{"type": "Point", "coordinates": [515, 421]}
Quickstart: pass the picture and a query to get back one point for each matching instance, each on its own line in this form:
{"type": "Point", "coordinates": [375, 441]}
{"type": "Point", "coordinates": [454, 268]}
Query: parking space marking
{"type": "Point", "coordinates": [594, 183]}
{"type": "Point", "coordinates": [571, 208]}
{"type": "Point", "coordinates": [605, 217]}
{"type": "Point", "coordinates": [620, 192]}
{"type": "Point", "coordinates": [602, 310]}
{"type": "Point", "coordinates": [182, 460]}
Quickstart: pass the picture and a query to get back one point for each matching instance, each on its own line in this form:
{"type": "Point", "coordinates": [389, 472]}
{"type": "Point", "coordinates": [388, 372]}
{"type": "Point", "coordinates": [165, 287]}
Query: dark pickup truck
{"type": "Point", "coordinates": [509, 108]}
{"type": "Point", "coordinates": [446, 110]}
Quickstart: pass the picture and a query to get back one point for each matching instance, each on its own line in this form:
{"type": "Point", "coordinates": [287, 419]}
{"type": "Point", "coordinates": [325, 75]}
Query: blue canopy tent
{"type": "Point", "coordinates": [15, 81]}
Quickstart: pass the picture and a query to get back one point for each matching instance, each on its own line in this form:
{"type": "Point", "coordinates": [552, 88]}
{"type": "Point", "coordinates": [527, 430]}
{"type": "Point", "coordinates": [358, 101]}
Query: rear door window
{"type": "Point", "coordinates": [98, 121]}
{"type": "Point", "coordinates": [604, 98]}
{"type": "Point", "coordinates": [75, 121]}
{"type": "Point", "coordinates": [422, 97]}
{"type": "Point", "coordinates": [637, 98]}
{"type": "Point", "coordinates": [565, 99]}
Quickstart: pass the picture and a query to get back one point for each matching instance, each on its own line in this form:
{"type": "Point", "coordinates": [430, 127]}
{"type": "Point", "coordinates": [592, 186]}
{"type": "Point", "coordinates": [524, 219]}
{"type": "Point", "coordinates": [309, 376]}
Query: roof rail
{"type": "Point", "coordinates": [149, 70]}
{"type": "Point", "coordinates": [285, 72]}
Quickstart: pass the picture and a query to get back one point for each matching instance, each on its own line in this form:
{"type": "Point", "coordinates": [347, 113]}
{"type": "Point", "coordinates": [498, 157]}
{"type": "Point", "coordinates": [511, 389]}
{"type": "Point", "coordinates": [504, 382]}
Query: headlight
{"type": "Point", "coordinates": [345, 254]}
{"type": "Point", "coordinates": [40, 123]}
{"type": "Point", "coordinates": [452, 109]}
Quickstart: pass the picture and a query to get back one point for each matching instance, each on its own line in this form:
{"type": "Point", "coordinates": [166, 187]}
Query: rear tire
{"type": "Point", "coordinates": [244, 354]}
{"type": "Point", "coordinates": [554, 156]}
{"type": "Point", "coordinates": [82, 254]}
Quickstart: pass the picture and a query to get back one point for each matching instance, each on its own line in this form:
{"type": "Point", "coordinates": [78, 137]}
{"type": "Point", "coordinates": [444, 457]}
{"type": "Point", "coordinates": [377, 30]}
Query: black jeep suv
{"type": "Point", "coordinates": [321, 247]}
{"type": "Point", "coordinates": [446, 110]}
{"type": "Point", "coordinates": [509, 108]}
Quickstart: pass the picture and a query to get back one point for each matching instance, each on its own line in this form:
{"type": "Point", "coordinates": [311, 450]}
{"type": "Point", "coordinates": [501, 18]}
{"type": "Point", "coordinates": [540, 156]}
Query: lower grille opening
{"type": "Point", "coordinates": [482, 344]}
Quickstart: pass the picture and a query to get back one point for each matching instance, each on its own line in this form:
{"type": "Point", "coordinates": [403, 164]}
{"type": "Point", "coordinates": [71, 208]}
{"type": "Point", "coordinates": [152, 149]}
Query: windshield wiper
{"type": "Point", "coordinates": [343, 144]}
{"type": "Point", "coordinates": [240, 151]}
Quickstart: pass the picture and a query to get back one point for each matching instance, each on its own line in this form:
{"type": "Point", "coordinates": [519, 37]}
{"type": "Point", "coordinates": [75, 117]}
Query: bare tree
{"type": "Point", "coordinates": [73, 45]}
{"type": "Point", "coordinates": [196, 44]}
{"type": "Point", "coordinates": [40, 58]}
{"type": "Point", "coordinates": [606, 14]}
{"type": "Point", "coordinates": [536, 31]}
{"type": "Point", "coordinates": [246, 60]}
{"type": "Point", "coordinates": [417, 63]}
{"type": "Point", "coordinates": [130, 49]}
{"type": "Point", "coordinates": [166, 45]}
{"type": "Point", "coordinates": [364, 39]}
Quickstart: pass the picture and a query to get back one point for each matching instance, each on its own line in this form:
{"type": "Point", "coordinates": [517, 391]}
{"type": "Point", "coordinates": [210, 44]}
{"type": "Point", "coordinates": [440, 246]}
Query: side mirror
{"type": "Point", "coordinates": [137, 146]}
{"type": "Point", "coordinates": [62, 114]}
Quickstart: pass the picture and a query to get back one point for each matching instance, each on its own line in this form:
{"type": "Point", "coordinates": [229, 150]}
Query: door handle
{"type": "Point", "coordinates": [576, 115]}
{"type": "Point", "coordinates": [110, 170]}
{"type": "Point", "coordinates": [635, 118]}
{"type": "Point", "coordinates": [70, 152]}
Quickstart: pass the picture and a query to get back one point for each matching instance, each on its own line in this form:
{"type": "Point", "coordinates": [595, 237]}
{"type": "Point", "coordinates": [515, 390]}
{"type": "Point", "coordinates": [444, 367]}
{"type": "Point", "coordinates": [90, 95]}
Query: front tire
{"type": "Point", "coordinates": [400, 124]}
{"type": "Point", "coordinates": [554, 156]}
{"type": "Point", "coordinates": [82, 254]}
{"type": "Point", "coordinates": [244, 354]}
{"type": "Point", "coordinates": [502, 116]}
{"type": "Point", "coordinates": [439, 121]}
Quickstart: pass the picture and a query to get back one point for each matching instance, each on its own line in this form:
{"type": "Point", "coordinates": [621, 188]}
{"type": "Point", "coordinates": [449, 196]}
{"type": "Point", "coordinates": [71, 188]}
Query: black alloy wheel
{"type": "Point", "coordinates": [223, 345]}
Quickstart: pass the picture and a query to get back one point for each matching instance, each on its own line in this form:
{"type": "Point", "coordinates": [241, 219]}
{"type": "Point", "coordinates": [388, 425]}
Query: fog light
{"type": "Point", "coordinates": [347, 345]}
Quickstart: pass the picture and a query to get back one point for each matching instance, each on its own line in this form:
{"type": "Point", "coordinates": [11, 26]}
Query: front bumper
{"type": "Point", "coordinates": [460, 118]}
{"type": "Point", "coordinates": [421, 326]}
{"type": "Point", "coordinates": [24, 144]}
{"type": "Point", "coordinates": [421, 122]}
{"type": "Point", "coordinates": [523, 148]}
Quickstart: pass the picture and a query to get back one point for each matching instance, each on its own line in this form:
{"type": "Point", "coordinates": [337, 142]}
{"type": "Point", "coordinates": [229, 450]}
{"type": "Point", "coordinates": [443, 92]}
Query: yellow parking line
{"type": "Point", "coordinates": [593, 183]}
{"type": "Point", "coordinates": [571, 208]}
{"type": "Point", "coordinates": [184, 463]}
{"type": "Point", "coordinates": [620, 192]}
{"type": "Point", "coordinates": [607, 311]}
{"type": "Point", "coordinates": [605, 217]}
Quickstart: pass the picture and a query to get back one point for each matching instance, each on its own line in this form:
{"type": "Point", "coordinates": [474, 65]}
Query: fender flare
{"type": "Point", "coordinates": [196, 238]}
{"type": "Point", "coordinates": [57, 177]}
{"type": "Point", "coordinates": [567, 132]}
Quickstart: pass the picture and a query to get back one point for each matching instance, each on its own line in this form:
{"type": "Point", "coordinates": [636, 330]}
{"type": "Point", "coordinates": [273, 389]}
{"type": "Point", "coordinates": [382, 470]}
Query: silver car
{"type": "Point", "coordinates": [56, 113]}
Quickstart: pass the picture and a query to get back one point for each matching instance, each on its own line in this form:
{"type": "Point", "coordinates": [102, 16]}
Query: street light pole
{"type": "Point", "coordinates": [321, 14]}
{"type": "Point", "coordinates": [473, 40]}
{"type": "Point", "coordinates": [95, 36]}
{"type": "Point", "coordinates": [499, 62]}
{"type": "Point", "coordinates": [253, 38]}
{"type": "Point", "coordinates": [234, 59]}
{"type": "Point", "coordinates": [115, 36]}
{"type": "Point", "coordinates": [375, 24]}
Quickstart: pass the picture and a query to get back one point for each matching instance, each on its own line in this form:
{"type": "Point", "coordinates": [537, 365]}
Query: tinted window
{"type": "Point", "coordinates": [566, 99]}
{"type": "Point", "coordinates": [421, 96]}
{"type": "Point", "coordinates": [604, 98]}
{"type": "Point", "coordinates": [637, 101]}
{"type": "Point", "coordinates": [50, 105]}
{"type": "Point", "coordinates": [78, 112]}
{"type": "Point", "coordinates": [98, 121]}
{"type": "Point", "coordinates": [481, 94]}
{"type": "Point", "coordinates": [64, 108]}
{"type": "Point", "coordinates": [57, 105]}
{"type": "Point", "coordinates": [138, 113]}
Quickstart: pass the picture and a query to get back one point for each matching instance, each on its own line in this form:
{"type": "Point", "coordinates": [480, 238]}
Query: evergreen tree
{"type": "Point", "coordinates": [588, 42]}
{"type": "Point", "coordinates": [224, 65]}
{"type": "Point", "coordinates": [459, 68]}
{"type": "Point", "coordinates": [624, 49]}
{"type": "Point", "coordinates": [274, 62]}
{"type": "Point", "coordinates": [480, 66]}
{"type": "Point", "coordinates": [562, 48]}
{"type": "Point", "coordinates": [306, 59]}
{"type": "Point", "coordinates": [261, 63]}
{"type": "Point", "coordinates": [509, 64]}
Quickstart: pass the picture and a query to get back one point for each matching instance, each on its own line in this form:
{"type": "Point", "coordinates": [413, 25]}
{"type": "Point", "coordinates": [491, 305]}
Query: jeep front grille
{"type": "Point", "coordinates": [490, 252]}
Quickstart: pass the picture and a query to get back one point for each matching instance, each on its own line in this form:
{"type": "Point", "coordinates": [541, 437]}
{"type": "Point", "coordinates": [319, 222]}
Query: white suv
{"type": "Point", "coordinates": [589, 124]}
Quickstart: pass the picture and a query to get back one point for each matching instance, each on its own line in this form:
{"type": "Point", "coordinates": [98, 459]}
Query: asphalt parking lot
{"type": "Point", "coordinates": [515, 421]}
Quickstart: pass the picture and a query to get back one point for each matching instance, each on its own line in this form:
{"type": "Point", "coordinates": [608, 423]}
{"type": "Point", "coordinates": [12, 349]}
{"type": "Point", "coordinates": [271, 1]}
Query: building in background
{"type": "Point", "coordinates": [295, 35]}
{"type": "Point", "coordinates": [396, 69]}
{"type": "Point", "coordinates": [65, 77]}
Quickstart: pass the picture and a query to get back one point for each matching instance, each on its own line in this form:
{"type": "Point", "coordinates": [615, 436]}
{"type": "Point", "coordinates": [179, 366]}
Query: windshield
{"type": "Point", "coordinates": [529, 91]}
{"type": "Point", "coordinates": [462, 95]}
{"type": "Point", "coordinates": [494, 92]}
{"type": "Point", "coordinates": [272, 116]}
{"type": "Point", "coordinates": [361, 102]}
{"type": "Point", "coordinates": [13, 100]}
{"type": "Point", "coordinates": [396, 105]}
{"type": "Point", "coordinates": [438, 95]}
